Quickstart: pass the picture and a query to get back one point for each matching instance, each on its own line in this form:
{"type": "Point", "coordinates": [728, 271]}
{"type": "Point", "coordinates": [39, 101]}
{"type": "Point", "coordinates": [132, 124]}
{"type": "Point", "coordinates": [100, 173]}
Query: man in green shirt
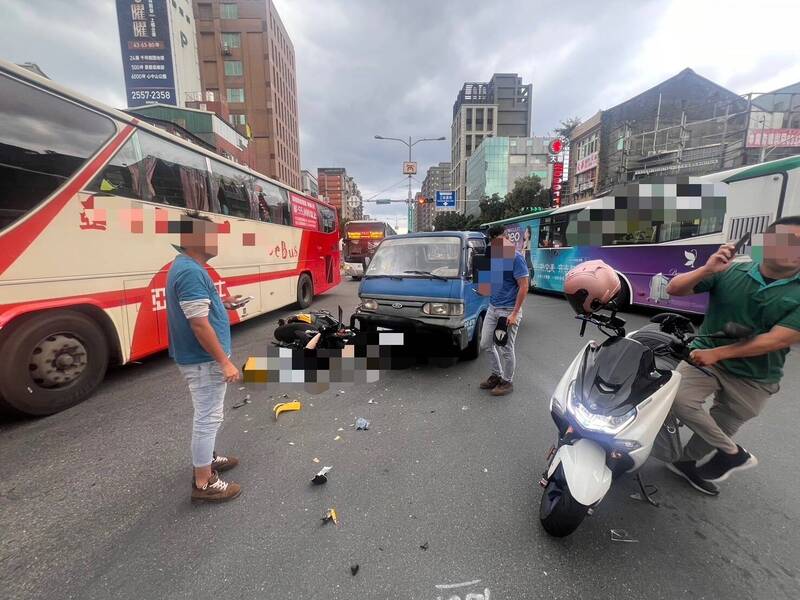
{"type": "Point", "coordinates": [763, 296]}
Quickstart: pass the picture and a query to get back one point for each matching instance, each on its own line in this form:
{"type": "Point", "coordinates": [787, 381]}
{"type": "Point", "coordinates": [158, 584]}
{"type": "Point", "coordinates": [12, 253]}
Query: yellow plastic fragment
{"type": "Point", "coordinates": [286, 406]}
{"type": "Point", "coordinates": [331, 516]}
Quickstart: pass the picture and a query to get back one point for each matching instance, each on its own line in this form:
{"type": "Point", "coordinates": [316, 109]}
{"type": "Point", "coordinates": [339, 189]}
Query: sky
{"type": "Point", "coordinates": [392, 68]}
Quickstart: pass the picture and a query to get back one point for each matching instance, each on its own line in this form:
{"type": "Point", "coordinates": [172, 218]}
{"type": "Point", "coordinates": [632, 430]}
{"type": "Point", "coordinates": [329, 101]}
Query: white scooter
{"type": "Point", "coordinates": [612, 410]}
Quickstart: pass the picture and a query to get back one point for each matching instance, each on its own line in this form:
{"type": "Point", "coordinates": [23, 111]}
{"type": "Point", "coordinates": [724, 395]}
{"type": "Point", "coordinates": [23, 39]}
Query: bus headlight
{"type": "Point", "coordinates": [369, 305]}
{"type": "Point", "coordinates": [442, 309]}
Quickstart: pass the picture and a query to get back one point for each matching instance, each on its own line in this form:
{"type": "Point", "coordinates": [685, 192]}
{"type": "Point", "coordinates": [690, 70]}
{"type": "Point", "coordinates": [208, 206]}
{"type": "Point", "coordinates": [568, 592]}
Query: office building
{"type": "Point", "coordinates": [159, 51]}
{"type": "Point", "coordinates": [215, 133]}
{"type": "Point", "coordinates": [247, 61]}
{"type": "Point", "coordinates": [437, 179]}
{"type": "Point", "coordinates": [498, 162]}
{"type": "Point", "coordinates": [331, 182]}
{"type": "Point", "coordinates": [308, 184]}
{"type": "Point", "coordinates": [501, 106]}
{"type": "Point", "coordinates": [584, 160]}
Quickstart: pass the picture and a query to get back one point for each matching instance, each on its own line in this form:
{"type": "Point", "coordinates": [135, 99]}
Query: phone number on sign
{"type": "Point", "coordinates": [151, 95]}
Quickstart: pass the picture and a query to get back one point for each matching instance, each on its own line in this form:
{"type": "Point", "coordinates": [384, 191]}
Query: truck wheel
{"type": "Point", "coordinates": [305, 291]}
{"type": "Point", "coordinates": [473, 350]}
{"type": "Point", "coordinates": [559, 513]}
{"type": "Point", "coordinates": [52, 361]}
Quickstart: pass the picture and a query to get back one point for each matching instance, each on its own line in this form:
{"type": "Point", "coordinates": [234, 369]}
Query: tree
{"type": "Point", "coordinates": [492, 209]}
{"type": "Point", "coordinates": [567, 127]}
{"type": "Point", "coordinates": [450, 221]}
{"type": "Point", "coordinates": [527, 195]}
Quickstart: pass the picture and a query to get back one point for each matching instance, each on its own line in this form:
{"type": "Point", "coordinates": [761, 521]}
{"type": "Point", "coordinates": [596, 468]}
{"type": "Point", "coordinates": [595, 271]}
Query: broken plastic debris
{"type": "Point", "coordinates": [485, 470]}
{"type": "Point", "coordinates": [291, 443]}
{"type": "Point", "coordinates": [321, 477]}
{"type": "Point", "coordinates": [286, 406]}
{"type": "Point", "coordinates": [245, 400]}
{"type": "Point", "coordinates": [371, 401]}
{"type": "Point", "coordinates": [340, 429]}
{"type": "Point", "coordinates": [354, 569]}
{"type": "Point", "coordinates": [362, 424]}
{"type": "Point", "coordinates": [331, 516]}
{"type": "Point", "coordinates": [465, 408]}
{"type": "Point", "coordinates": [424, 546]}
{"type": "Point", "coordinates": [315, 459]}
{"type": "Point", "coordinates": [337, 438]}
{"type": "Point", "coordinates": [241, 387]}
{"type": "Point", "coordinates": [621, 535]}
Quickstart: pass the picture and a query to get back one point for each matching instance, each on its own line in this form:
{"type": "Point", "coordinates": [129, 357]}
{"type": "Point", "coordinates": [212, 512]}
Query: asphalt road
{"type": "Point", "coordinates": [442, 490]}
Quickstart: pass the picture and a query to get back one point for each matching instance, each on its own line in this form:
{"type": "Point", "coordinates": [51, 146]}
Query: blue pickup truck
{"type": "Point", "coordinates": [421, 284]}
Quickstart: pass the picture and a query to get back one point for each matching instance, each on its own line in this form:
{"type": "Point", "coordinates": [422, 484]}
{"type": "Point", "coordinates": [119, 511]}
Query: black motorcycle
{"type": "Point", "coordinates": [313, 330]}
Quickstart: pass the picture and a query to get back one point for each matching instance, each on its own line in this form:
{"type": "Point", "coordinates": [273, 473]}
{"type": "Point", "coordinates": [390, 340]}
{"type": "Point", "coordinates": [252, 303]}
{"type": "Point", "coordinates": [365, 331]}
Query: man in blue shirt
{"type": "Point", "coordinates": [200, 342]}
{"type": "Point", "coordinates": [507, 288]}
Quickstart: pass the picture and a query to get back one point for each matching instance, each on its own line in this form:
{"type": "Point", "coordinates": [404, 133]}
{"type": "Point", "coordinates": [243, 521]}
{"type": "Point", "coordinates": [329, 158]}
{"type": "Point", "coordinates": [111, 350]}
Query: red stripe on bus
{"type": "Point", "coordinates": [19, 238]}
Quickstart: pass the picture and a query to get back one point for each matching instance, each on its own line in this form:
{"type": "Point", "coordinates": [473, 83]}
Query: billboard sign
{"type": "Point", "coordinates": [775, 138]}
{"type": "Point", "coordinates": [558, 147]}
{"type": "Point", "coordinates": [446, 200]}
{"type": "Point", "coordinates": [304, 212]}
{"type": "Point", "coordinates": [146, 52]}
{"type": "Point", "coordinates": [587, 162]}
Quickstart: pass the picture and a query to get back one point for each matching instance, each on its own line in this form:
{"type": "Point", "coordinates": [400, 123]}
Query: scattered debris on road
{"type": "Point", "coordinates": [286, 406]}
{"type": "Point", "coordinates": [354, 569]}
{"type": "Point", "coordinates": [331, 516]}
{"type": "Point", "coordinates": [621, 535]}
{"type": "Point", "coordinates": [321, 477]}
{"type": "Point", "coordinates": [337, 438]}
{"type": "Point", "coordinates": [424, 546]}
{"type": "Point", "coordinates": [245, 400]}
{"type": "Point", "coordinates": [362, 424]}
{"type": "Point", "coordinates": [315, 459]}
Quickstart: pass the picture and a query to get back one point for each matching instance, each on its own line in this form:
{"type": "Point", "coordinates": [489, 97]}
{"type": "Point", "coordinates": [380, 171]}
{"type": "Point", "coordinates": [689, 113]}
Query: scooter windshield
{"type": "Point", "coordinates": [616, 376]}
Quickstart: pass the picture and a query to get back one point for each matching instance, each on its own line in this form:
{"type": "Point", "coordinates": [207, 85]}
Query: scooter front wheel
{"type": "Point", "coordinates": [559, 512]}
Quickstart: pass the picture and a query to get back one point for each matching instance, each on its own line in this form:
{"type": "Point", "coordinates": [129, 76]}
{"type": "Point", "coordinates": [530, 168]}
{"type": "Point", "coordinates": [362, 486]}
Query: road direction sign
{"type": "Point", "coordinates": [446, 200]}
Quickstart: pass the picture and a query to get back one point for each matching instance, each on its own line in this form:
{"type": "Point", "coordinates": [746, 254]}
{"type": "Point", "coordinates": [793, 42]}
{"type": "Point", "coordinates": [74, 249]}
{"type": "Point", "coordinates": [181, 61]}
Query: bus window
{"type": "Point", "coordinates": [230, 187]}
{"type": "Point", "coordinates": [327, 219]}
{"type": "Point", "coordinates": [173, 175]}
{"type": "Point", "coordinates": [553, 230]}
{"type": "Point", "coordinates": [122, 175]}
{"type": "Point", "coordinates": [45, 140]}
{"type": "Point", "coordinates": [679, 230]}
{"type": "Point", "coordinates": [272, 202]}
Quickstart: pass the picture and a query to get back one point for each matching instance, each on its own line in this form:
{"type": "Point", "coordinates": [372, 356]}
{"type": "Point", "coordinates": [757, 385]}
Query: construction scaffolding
{"type": "Point", "coordinates": [730, 134]}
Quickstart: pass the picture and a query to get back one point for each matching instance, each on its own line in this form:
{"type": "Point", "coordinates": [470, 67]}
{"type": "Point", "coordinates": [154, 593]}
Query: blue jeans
{"type": "Point", "coordinates": [501, 358]}
{"type": "Point", "coordinates": [208, 393]}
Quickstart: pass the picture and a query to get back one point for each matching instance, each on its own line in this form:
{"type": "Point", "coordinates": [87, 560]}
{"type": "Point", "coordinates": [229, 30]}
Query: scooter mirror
{"type": "Point", "coordinates": [737, 331]}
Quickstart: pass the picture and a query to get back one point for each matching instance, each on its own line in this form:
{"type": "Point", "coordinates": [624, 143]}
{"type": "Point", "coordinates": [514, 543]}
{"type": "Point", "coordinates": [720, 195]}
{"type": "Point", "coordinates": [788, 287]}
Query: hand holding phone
{"type": "Point", "coordinates": [737, 247]}
{"type": "Point", "coordinates": [239, 302]}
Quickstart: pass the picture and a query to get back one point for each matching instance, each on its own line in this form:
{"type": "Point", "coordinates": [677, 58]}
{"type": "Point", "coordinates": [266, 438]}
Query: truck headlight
{"type": "Point", "coordinates": [442, 309]}
{"type": "Point", "coordinates": [369, 305]}
{"type": "Point", "coordinates": [608, 424]}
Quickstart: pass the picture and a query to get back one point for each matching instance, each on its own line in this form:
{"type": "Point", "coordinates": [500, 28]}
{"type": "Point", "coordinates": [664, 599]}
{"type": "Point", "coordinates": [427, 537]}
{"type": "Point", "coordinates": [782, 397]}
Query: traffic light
{"type": "Point", "coordinates": [422, 200]}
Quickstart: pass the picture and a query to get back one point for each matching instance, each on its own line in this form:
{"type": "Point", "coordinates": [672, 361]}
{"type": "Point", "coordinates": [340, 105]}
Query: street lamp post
{"type": "Point", "coordinates": [410, 145]}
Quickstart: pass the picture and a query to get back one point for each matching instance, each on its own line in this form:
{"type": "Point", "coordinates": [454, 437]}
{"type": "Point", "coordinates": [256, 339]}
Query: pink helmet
{"type": "Point", "coordinates": [590, 286]}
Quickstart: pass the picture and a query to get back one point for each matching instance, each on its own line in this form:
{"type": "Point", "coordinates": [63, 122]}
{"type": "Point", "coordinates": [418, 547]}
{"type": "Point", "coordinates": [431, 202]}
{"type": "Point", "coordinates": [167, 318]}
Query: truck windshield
{"type": "Point", "coordinates": [435, 255]}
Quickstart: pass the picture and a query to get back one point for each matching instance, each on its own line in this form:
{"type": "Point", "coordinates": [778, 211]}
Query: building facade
{"type": "Point", "coordinates": [686, 125]}
{"type": "Point", "coordinates": [247, 60]}
{"type": "Point", "coordinates": [308, 184]}
{"type": "Point", "coordinates": [353, 202]}
{"type": "Point", "coordinates": [501, 106]}
{"type": "Point", "coordinates": [437, 179]}
{"type": "Point", "coordinates": [497, 164]}
{"type": "Point", "coordinates": [584, 153]}
{"type": "Point", "coordinates": [218, 135]}
{"type": "Point", "coordinates": [773, 129]}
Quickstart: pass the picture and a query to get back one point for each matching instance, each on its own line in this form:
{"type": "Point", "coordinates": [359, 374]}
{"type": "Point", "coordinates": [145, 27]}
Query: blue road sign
{"type": "Point", "coordinates": [446, 200]}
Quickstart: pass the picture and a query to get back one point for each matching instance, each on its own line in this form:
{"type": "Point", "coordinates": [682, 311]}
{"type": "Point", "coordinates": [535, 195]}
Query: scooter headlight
{"type": "Point", "coordinates": [590, 421]}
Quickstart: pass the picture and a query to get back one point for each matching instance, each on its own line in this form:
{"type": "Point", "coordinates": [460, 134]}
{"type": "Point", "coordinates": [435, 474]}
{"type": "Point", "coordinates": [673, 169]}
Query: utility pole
{"type": "Point", "coordinates": [410, 144]}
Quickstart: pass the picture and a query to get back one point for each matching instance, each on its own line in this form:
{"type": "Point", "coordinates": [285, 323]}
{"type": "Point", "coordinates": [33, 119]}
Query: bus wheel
{"type": "Point", "coordinates": [305, 290]}
{"type": "Point", "coordinates": [52, 361]}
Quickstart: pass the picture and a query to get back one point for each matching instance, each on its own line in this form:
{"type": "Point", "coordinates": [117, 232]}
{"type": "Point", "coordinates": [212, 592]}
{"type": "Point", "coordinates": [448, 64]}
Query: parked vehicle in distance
{"type": "Point", "coordinates": [361, 238]}
{"type": "Point", "coordinates": [92, 203]}
{"type": "Point", "coordinates": [422, 284]}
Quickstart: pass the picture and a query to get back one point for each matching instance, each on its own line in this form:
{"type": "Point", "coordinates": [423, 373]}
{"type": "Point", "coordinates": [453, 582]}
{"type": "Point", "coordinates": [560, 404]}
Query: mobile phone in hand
{"type": "Point", "coordinates": [241, 302]}
{"type": "Point", "coordinates": [737, 247]}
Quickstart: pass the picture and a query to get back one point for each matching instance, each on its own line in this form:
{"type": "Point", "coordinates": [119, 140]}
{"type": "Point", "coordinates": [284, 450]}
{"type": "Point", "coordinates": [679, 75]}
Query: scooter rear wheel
{"type": "Point", "coordinates": [559, 513]}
